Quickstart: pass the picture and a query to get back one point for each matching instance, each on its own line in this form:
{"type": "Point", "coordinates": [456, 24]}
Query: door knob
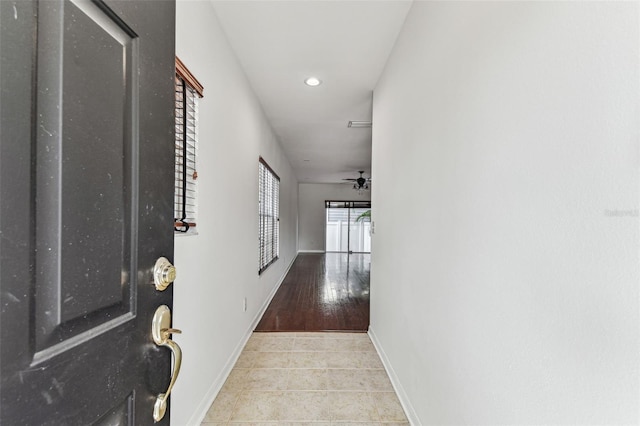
{"type": "Point", "coordinates": [161, 331]}
{"type": "Point", "coordinates": [164, 273]}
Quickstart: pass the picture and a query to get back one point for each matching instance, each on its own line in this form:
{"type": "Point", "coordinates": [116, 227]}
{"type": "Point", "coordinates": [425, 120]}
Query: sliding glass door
{"type": "Point", "coordinates": [347, 230]}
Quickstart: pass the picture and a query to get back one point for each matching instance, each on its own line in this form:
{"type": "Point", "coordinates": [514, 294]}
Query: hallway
{"type": "Point", "coordinates": [322, 292]}
{"type": "Point", "coordinates": [305, 374]}
{"type": "Point", "coordinates": [307, 378]}
{"type": "Point", "coordinates": [168, 174]}
{"type": "Point", "coordinates": [502, 157]}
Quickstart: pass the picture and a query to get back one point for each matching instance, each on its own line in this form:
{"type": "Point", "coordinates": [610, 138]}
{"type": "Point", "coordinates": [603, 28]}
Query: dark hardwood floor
{"type": "Point", "coordinates": [322, 292]}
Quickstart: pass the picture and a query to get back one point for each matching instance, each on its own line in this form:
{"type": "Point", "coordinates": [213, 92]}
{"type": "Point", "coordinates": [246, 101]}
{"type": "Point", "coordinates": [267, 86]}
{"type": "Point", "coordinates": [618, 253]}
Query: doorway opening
{"type": "Point", "coordinates": [347, 230]}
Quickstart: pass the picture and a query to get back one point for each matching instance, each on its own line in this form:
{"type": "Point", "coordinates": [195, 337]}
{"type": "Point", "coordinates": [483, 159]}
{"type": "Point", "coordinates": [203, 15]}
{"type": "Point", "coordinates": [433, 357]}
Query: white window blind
{"type": "Point", "coordinates": [187, 93]}
{"type": "Point", "coordinates": [269, 215]}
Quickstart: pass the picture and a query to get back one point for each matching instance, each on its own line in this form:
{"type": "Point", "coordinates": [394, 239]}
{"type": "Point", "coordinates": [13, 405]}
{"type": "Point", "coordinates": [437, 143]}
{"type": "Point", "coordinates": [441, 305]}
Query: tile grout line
{"type": "Point", "coordinates": [369, 391]}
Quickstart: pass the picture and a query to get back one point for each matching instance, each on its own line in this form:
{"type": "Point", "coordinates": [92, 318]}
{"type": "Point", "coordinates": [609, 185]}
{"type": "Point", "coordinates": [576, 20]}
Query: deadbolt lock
{"type": "Point", "coordinates": [164, 273]}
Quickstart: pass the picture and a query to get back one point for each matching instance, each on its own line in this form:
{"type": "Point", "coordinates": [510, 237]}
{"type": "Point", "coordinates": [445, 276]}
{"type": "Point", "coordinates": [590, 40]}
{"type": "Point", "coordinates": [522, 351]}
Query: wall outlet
{"type": "Point", "coordinates": [244, 305]}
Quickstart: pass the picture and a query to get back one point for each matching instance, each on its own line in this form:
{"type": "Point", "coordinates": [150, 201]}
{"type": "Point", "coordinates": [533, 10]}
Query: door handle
{"type": "Point", "coordinates": [161, 331]}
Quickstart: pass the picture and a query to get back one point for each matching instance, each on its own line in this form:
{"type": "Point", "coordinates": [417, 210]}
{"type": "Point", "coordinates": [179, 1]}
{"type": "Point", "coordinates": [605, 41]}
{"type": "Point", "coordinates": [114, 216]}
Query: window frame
{"type": "Point", "coordinates": [268, 214]}
{"type": "Point", "coordinates": [186, 142]}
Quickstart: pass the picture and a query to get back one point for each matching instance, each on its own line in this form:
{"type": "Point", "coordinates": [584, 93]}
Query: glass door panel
{"type": "Point", "coordinates": [337, 230]}
{"type": "Point", "coordinates": [344, 232]}
{"type": "Point", "coordinates": [359, 232]}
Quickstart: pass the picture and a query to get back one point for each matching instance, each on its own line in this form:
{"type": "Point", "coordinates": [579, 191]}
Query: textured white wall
{"type": "Point", "coordinates": [510, 295]}
{"type": "Point", "coordinates": [219, 267]}
{"type": "Point", "coordinates": [311, 198]}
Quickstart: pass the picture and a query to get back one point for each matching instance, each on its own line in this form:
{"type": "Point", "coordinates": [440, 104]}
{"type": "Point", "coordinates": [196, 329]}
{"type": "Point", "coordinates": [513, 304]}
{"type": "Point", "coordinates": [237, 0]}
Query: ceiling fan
{"type": "Point", "coordinates": [361, 183]}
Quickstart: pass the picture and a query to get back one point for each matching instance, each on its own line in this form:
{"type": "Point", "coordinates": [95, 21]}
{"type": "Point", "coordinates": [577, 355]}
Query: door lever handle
{"type": "Point", "coordinates": [165, 332]}
{"type": "Point", "coordinates": [161, 332]}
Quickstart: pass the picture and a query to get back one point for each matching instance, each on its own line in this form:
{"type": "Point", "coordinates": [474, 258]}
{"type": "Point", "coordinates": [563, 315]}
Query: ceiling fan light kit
{"type": "Point", "coordinates": [360, 184]}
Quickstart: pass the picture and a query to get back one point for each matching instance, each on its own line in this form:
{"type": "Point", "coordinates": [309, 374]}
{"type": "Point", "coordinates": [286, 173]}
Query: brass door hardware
{"type": "Point", "coordinates": [164, 273]}
{"type": "Point", "coordinates": [161, 331]}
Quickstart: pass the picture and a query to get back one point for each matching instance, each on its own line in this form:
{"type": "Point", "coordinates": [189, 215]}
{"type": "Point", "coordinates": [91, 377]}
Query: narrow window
{"type": "Point", "coordinates": [268, 215]}
{"type": "Point", "coordinates": [187, 93]}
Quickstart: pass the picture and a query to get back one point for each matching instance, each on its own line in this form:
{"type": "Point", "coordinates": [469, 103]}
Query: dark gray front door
{"type": "Point", "coordinates": [86, 208]}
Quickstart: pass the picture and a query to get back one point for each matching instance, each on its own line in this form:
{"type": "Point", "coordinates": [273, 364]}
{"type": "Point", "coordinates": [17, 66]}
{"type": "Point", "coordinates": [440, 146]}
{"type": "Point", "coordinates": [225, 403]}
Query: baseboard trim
{"type": "Point", "coordinates": [310, 251]}
{"type": "Point", "coordinates": [201, 411]}
{"type": "Point", "coordinates": [265, 305]}
{"type": "Point", "coordinates": [395, 382]}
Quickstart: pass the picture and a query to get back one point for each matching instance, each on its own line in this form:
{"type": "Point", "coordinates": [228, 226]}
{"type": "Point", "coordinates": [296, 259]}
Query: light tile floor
{"type": "Point", "coordinates": [307, 378]}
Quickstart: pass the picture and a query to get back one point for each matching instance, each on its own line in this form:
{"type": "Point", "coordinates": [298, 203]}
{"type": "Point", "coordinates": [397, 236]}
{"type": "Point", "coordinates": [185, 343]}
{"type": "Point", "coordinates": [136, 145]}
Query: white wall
{"type": "Point", "coordinates": [219, 267]}
{"type": "Point", "coordinates": [515, 300]}
{"type": "Point", "coordinates": [311, 198]}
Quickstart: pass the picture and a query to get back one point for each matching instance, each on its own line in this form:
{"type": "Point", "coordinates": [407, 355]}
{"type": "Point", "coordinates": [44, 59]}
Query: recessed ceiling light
{"type": "Point", "coordinates": [312, 81]}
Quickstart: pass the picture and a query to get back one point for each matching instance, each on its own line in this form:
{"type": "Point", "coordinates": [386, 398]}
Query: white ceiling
{"type": "Point", "coordinates": [345, 44]}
